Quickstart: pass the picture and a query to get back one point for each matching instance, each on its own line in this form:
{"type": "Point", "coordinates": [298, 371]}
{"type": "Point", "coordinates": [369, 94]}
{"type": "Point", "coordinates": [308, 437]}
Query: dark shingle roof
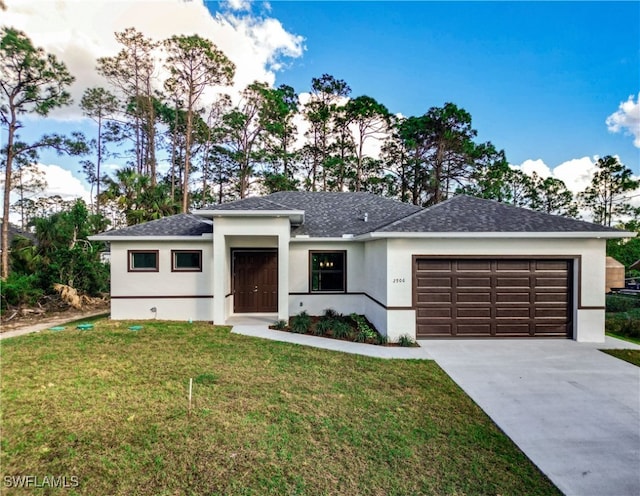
{"type": "Point", "coordinates": [467, 214]}
{"type": "Point", "coordinates": [252, 203]}
{"type": "Point", "coordinates": [175, 225]}
{"type": "Point", "coordinates": [335, 214]}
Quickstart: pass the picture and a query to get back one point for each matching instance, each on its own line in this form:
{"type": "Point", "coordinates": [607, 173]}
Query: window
{"type": "Point", "coordinates": [328, 271]}
{"type": "Point", "coordinates": [143, 261]}
{"type": "Point", "coordinates": [186, 260]}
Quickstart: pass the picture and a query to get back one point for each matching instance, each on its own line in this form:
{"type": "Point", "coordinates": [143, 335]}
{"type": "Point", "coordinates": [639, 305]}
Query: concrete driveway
{"type": "Point", "coordinates": [573, 410]}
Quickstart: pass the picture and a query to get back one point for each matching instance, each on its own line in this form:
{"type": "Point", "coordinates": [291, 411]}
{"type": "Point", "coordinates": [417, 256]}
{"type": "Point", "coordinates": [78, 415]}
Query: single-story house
{"type": "Point", "coordinates": [464, 268]}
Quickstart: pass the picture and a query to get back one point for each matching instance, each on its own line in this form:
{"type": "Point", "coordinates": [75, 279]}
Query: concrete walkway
{"type": "Point", "coordinates": [49, 322]}
{"type": "Point", "coordinates": [572, 409]}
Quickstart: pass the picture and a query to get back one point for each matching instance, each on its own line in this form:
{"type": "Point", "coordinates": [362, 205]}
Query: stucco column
{"type": "Point", "coordinates": [219, 264]}
{"type": "Point", "coordinates": [283, 275]}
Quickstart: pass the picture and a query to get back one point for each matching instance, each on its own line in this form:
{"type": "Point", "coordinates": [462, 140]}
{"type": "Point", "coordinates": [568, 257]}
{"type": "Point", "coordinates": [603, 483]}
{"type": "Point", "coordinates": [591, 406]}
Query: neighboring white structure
{"type": "Point", "coordinates": [463, 268]}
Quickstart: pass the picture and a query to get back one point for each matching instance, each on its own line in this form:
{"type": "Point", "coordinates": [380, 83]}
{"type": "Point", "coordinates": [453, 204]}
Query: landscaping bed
{"type": "Point", "coordinates": [331, 324]}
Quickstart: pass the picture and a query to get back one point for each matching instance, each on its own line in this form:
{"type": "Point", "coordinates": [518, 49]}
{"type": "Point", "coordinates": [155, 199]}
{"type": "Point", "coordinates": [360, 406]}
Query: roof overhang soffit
{"type": "Point", "coordinates": [296, 217]}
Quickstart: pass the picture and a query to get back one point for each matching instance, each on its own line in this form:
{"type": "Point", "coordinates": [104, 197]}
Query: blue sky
{"type": "Point", "coordinates": [538, 78]}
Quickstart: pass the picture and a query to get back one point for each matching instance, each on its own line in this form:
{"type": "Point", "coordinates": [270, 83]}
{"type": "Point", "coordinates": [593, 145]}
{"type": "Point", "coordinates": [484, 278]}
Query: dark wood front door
{"type": "Point", "coordinates": [492, 298]}
{"type": "Point", "coordinates": [255, 281]}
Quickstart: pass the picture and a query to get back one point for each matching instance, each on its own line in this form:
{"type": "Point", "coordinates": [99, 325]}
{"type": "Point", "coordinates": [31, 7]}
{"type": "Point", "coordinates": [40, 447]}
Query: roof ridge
{"type": "Point", "coordinates": [275, 203]}
{"type": "Point", "coordinates": [402, 219]}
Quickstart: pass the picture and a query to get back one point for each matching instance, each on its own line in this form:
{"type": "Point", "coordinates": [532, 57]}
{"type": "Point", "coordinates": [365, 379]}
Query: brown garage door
{"type": "Point", "coordinates": [492, 298]}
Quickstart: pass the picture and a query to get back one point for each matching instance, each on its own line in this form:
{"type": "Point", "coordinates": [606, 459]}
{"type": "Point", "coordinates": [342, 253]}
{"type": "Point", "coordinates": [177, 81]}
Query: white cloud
{"type": "Point", "coordinates": [80, 31]}
{"type": "Point", "coordinates": [60, 182]}
{"type": "Point", "coordinates": [63, 183]}
{"type": "Point", "coordinates": [537, 166]}
{"type": "Point", "coordinates": [627, 119]}
{"type": "Point", "coordinates": [575, 173]}
{"type": "Point", "coordinates": [239, 5]}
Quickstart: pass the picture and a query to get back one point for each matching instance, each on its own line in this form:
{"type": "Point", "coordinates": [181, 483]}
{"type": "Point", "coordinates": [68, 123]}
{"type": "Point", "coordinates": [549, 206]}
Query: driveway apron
{"type": "Point", "coordinates": [572, 409]}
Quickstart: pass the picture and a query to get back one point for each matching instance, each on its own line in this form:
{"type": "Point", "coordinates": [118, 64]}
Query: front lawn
{"type": "Point", "coordinates": [109, 407]}
{"type": "Point", "coordinates": [631, 356]}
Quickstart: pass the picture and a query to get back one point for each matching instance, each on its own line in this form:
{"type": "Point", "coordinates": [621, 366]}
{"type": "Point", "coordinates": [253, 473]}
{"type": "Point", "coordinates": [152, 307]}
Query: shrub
{"type": "Point", "coordinates": [380, 339]}
{"type": "Point", "coordinates": [280, 324]}
{"type": "Point", "coordinates": [20, 289]}
{"type": "Point", "coordinates": [615, 324]}
{"type": "Point", "coordinates": [323, 326]}
{"type": "Point", "coordinates": [341, 330]}
{"type": "Point", "coordinates": [620, 303]}
{"type": "Point", "coordinates": [301, 323]}
{"type": "Point", "coordinates": [365, 332]}
{"type": "Point", "coordinates": [406, 340]}
{"type": "Point", "coordinates": [330, 313]}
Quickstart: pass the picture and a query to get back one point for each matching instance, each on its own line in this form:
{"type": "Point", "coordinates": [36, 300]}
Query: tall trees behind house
{"type": "Point", "coordinates": [31, 82]}
{"type": "Point", "coordinates": [195, 64]}
{"type": "Point", "coordinates": [132, 72]}
{"type": "Point", "coordinates": [99, 105]}
{"type": "Point", "coordinates": [214, 148]}
{"type": "Point", "coordinates": [279, 107]}
{"type": "Point", "coordinates": [607, 197]}
{"type": "Point", "coordinates": [320, 113]}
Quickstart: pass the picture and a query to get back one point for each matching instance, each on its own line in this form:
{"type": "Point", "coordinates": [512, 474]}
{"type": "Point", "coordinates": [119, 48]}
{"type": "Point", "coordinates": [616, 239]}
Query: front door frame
{"type": "Point", "coordinates": [233, 252]}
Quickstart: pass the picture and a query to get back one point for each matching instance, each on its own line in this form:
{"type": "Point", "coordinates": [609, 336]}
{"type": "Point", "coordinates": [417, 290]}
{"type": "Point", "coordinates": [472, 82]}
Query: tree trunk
{"type": "Point", "coordinates": [7, 196]}
{"type": "Point", "coordinates": [152, 137]}
{"type": "Point", "coordinates": [98, 165]}
{"type": "Point", "coordinates": [185, 184]}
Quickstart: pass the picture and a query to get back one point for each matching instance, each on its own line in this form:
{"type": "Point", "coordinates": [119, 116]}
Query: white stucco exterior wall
{"type": "Point", "coordinates": [589, 268]}
{"type": "Point", "coordinates": [174, 295]}
{"type": "Point", "coordinates": [300, 296]}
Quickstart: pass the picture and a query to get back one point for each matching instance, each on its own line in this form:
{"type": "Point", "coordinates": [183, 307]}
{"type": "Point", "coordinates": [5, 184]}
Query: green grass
{"type": "Point", "coordinates": [109, 406]}
{"type": "Point", "coordinates": [623, 338]}
{"type": "Point", "coordinates": [631, 356]}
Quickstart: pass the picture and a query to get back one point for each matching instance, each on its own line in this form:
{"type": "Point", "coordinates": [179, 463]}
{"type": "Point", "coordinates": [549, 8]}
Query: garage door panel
{"type": "Point", "coordinates": [512, 297]}
{"type": "Point", "coordinates": [433, 297]}
{"type": "Point", "coordinates": [499, 297]}
{"type": "Point", "coordinates": [513, 265]}
{"type": "Point", "coordinates": [551, 265]}
{"type": "Point", "coordinates": [550, 282]}
{"type": "Point", "coordinates": [551, 296]}
{"type": "Point", "coordinates": [436, 329]}
{"type": "Point", "coordinates": [434, 282]}
{"type": "Point", "coordinates": [473, 282]}
{"type": "Point", "coordinates": [434, 265]}
{"type": "Point", "coordinates": [434, 312]}
{"type": "Point", "coordinates": [556, 329]}
{"type": "Point", "coordinates": [473, 329]}
{"type": "Point", "coordinates": [472, 297]}
{"type": "Point", "coordinates": [513, 329]}
{"type": "Point", "coordinates": [473, 266]}
{"type": "Point", "coordinates": [551, 313]}
{"type": "Point", "coordinates": [473, 312]}
{"type": "Point", "coordinates": [513, 282]}
{"type": "Point", "coordinates": [513, 313]}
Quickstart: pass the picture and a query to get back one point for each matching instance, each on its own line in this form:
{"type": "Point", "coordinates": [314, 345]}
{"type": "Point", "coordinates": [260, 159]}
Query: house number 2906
{"type": "Point", "coordinates": [397, 280]}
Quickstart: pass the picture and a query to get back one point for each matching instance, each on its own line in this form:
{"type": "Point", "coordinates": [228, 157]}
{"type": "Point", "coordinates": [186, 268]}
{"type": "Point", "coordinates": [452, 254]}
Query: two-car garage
{"type": "Point", "coordinates": [492, 297]}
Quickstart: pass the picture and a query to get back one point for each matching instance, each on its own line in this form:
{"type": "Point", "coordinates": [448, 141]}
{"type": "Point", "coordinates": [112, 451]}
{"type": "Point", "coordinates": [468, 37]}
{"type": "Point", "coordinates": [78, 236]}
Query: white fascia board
{"type": "Point", "coordinates": [306, 239]}
{"type": "Point", "coordinates": [203, 237]}
{"type": "Point", "coordinates": [294, 215]}
{"type": "Point", "coordinates": [505, 235]}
